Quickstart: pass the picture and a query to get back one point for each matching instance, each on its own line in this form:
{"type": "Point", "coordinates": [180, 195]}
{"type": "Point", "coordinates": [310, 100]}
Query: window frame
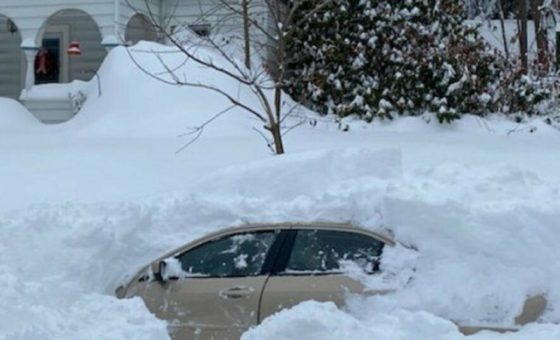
{"type": "Point", "coordinates": [269, 260]}
{"type": "Point", "coordinates": [202, 30]}
{"type": "Point", "coordinates": [285, 253]}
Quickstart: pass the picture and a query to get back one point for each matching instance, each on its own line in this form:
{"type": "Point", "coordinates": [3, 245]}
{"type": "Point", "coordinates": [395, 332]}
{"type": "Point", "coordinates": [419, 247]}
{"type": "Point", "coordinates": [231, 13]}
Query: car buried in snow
{"type": "Point", "coordinates": [219, 286]}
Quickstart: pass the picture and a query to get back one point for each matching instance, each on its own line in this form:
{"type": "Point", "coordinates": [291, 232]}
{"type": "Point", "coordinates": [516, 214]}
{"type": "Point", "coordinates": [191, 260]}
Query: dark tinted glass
{"type": "Point", "coordinates": [322, 251]}
{"type": "Point", "coordinates": [237, 255]}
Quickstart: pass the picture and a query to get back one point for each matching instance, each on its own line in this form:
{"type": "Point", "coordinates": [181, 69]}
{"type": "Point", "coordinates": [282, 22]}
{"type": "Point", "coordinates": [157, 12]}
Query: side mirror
{"type": "Point", "coordinates": [160, 274]}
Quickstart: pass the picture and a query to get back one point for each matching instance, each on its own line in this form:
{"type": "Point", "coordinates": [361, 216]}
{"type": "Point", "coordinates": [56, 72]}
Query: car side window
{"type": "Point", "coordinates": [231, 256]}
{"type": "Point", "coordinates": [321, 251]}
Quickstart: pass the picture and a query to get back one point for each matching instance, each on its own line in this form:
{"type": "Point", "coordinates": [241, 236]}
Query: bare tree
{"type": "Point", "coordinates": [540, 33]}
{"type": "Point", "coordinates": [503, 27]}
{"type": "Point", "coordinates": [246, 32]}
{"type": "Point", "coordinates": [523, 38]}
{"type": "Point", "coordinates": [265, 83]}
{"type": "Point", "coordinates": [493, 9]}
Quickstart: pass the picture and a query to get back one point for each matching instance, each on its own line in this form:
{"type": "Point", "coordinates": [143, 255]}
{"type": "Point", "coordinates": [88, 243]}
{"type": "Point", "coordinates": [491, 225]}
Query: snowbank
{"type": "Point", "coordinates": [58, 90]}
{"type": "Point", "coordinates": [59, 260]}
{"type": "Point", "coordinates": [308, 173]}
{"type": "Point", "coordinates": [134, 89]}
{"type": "Point", "coordinates": [485, 238]}
{"type": "Point", "coordinates": [14, 117]}
{"type": "Point", "coordinates": [92, 317]}
{"type": "Point", "coordinates": [324, 321]}
{"type": "Point", "coordinates": [472, 225]}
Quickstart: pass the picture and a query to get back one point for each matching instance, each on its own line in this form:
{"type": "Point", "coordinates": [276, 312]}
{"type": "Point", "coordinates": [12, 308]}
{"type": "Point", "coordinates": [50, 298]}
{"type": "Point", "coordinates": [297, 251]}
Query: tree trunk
{"type": "Point", "coordinates": [277, 137]}
{"type": "Point", "coordinates": [278, 87]}
{"type": "Point", "coordinates": [540, 32]}
{"type": "Point", "coordinates": [557, 50]}
{"type": "Point", "coordinates": [276, 128]}
{"type": "Point", "coordinates": [246, 37]}
{"type": "Point", "coordinates": [523, 45]}
{"type": "Point", "coordinates": [503, 26]}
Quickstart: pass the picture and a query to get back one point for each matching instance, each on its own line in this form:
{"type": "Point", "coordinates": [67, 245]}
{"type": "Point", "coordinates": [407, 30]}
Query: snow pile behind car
{"type": "Point", "coordinates": [485, 239]}
{"type": "Point", "coordinates": [486, 235]}
{"type": "Point", "coordinates": [138, 86]}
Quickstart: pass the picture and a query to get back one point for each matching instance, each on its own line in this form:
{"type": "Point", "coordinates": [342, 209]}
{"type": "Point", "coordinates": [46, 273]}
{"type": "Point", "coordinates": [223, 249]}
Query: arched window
{"type": "Point", "coordinates": [53, 64]}
{"type": "Point", "coordinates": [138, 28]}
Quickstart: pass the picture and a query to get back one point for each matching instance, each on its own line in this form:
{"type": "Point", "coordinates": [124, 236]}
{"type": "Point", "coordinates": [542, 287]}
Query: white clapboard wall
{"type": "Point", "coordinates": [11, 62]}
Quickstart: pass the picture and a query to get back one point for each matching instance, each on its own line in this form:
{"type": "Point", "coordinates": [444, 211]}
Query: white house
{"type": "Point", "coordinates": [38, 38]}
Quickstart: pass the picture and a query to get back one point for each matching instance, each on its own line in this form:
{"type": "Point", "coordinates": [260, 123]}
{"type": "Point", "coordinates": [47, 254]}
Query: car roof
{"type": "Point", "coordinates": [307, 225]}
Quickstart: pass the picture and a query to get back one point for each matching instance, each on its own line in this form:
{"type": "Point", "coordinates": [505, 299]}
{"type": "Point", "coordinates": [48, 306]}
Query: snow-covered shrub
{"type": "Point", "coordinates": [390, 57]}
{"type": "Point", "coordinates": [523, 93]}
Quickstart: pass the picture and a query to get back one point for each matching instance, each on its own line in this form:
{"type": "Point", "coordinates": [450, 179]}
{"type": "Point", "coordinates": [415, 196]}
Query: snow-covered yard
{"type": "Point", "coordinates": [87, 202]}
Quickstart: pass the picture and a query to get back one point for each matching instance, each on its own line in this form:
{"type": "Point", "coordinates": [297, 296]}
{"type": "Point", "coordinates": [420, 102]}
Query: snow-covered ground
{"type": "Point", "coordinates": [87, 202]}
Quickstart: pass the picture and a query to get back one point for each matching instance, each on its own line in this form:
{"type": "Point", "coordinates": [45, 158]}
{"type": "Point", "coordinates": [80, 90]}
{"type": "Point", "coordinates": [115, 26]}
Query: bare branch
{"type": "Point", "coordinates": [306, 17]}
{"type": "Point", "coordinates": [289, 113]}
{"type": "Point", "coordinates": [269, 143]}
{"type": "Point", "coordinates": [147, 72]}
{"type": "Point", "coordinates": [228, 96]}
{"type": "Point", "coordinates": [267, 91]}
{"type": "Point", "coordinates": [197, 131]}
{"type": "Point", "coordinates": [287, 130]}
{"type": "Point", "coordinates": [253, 22]}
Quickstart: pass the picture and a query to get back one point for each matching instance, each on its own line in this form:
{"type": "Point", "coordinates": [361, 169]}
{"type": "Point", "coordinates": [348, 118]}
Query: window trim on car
{"type": "Point", "coordinates": [268, 263]}
{"type": "Point", "coordinates": [274, 253]}
{"type": "Point", "coordinates": [143, 273]}
{"type": "Point", "coordinates": [286, 251]}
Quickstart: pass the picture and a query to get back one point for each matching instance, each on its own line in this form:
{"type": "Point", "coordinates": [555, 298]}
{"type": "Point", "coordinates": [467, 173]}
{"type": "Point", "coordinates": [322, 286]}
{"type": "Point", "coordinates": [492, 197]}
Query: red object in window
{"type": "Point", "coordinates": [74, 48]}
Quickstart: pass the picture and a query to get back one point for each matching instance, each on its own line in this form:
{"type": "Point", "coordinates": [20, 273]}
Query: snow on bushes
{"type": "Point", "coordinates": [383, 58]}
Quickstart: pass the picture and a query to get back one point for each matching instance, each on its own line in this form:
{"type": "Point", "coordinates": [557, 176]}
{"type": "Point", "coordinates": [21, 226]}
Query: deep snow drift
{"type": "Point", "coordinates": [14, 117]}
{"type": "Point", "coordinates": [479, 199]}
{"type": "Point", "coordinates": [133, 90]}
{"type": "Point", "coordinates": [326, 322]}
{"type": "Point", "coordinates": [473, 227]}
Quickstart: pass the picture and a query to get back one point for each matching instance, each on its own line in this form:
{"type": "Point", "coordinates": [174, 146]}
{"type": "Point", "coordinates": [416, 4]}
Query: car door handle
{"type": "Point", "coordinates": [237, 292]}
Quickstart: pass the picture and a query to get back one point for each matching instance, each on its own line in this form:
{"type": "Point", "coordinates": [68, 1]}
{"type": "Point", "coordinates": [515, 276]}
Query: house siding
{"type": "Point", "coordinates": [30, 15]}
{"type": "Point", "coordinates": [11, 62]}
{"type": "Point", "coordinates": [214, 13]}
{"type": "Point", "coordinates": [180, 13]}
{"type": "Point", "coordinates": [110, 19]}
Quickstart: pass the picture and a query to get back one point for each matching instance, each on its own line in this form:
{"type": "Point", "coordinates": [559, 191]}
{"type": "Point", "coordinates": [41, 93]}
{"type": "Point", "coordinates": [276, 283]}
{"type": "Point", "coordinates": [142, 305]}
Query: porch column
{"type": "Point", "coordinates": [30, 54]}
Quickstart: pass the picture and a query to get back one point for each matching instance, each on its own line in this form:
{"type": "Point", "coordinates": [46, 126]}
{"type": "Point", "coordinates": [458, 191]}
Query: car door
{"type": "Point", "coordinates": [215, 292]}
{"type": "Point", "coordinates": [309, 267]}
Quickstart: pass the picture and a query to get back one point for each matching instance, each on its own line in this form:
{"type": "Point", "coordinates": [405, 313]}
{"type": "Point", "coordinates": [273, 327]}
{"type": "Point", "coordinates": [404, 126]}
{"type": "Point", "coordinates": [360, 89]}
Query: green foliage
{"type": "Point", "coordinates": [398, 57]}
{"type": "Point", "coordinates": [523, 93]}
